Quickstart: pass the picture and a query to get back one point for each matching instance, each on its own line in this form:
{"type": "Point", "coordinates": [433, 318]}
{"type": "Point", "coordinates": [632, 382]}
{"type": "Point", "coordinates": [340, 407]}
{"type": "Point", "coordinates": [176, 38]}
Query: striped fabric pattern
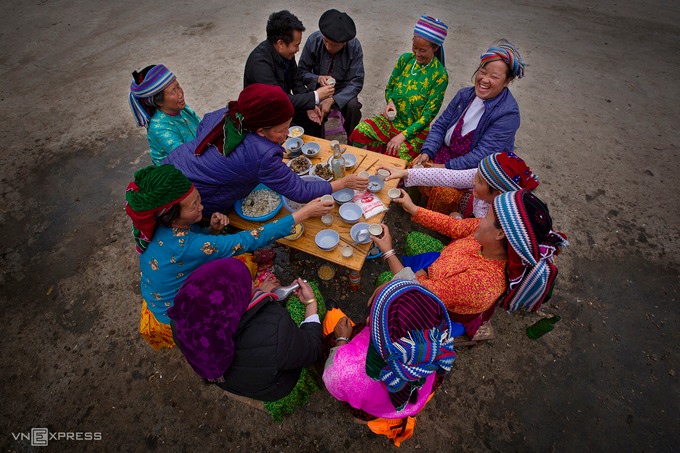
{"type": "Point", "coordinates": [531, 272]}
{"type": "Point", "coordinates": [412, 335]}
{"type": "Point", "coordinates": [431, 29]}
{"type": "Point", "coordinates": [157, 79]}
{"type": "Point", "coordinates": [507, 172]}
{"type": "Point", "coordinates": [505, 50]}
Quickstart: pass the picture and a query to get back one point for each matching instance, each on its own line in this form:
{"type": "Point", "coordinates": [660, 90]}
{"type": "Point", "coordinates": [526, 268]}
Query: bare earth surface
{"type": "Point", "coordinates": [600, 123]}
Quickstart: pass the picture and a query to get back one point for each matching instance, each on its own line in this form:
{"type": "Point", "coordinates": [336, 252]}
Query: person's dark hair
{"type": "Point", "coordinates": [281, 25]}
{"type": "Point", "coordinates": [498, 225]}
{"type": "Point", "coordinates": [170, 215]}
{"type": "Point", "coordinates": [508, 73]}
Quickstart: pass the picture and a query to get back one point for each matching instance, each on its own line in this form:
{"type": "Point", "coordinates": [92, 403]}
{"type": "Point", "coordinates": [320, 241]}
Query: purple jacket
{"type": "Point", "coordinates": [222, 180]}
{"type": "Point", "coordinates": [495, 132]}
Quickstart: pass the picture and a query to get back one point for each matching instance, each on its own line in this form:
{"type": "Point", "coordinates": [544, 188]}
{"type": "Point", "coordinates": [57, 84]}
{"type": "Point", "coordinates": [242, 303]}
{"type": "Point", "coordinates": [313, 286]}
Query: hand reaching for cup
{"type": "Point", "coordinates": [395, 172]}
{"type": "Point", "coordinates": [315, 208]}
{"type": "Point", "coordinates": [406, 202]}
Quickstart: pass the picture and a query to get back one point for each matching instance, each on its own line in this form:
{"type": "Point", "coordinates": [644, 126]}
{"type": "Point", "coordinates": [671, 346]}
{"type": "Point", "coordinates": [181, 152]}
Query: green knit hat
{"type": "Point", "coordinates": [150, 195]}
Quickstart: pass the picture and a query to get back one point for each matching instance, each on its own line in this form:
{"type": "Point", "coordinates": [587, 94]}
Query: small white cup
{"type": "Point", "coordinates": [394, 193]}
{"type": "Point", "coordinates": [327, 198]}
{"type": "Point", "coordinates": [376, 230]}
{"type": "Point", "coordinates": [330, 82]}
{"type": "Point", "coordinates": [391, 115]}
{"type": "Point", "coordinates": [382, 174]}
{"type": "Point", "coordinates": [327, 219]}
{"type": "Point", "coordinates": [363, 174]}
{"type": "Point", "coordinates": [347, 251]}
{"type": "Point", "coordinates": [418, 166]}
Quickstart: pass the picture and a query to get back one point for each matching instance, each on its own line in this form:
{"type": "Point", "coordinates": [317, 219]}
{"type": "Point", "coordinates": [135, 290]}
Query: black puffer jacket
{"type": "Point", "coordinates": [270, 352]}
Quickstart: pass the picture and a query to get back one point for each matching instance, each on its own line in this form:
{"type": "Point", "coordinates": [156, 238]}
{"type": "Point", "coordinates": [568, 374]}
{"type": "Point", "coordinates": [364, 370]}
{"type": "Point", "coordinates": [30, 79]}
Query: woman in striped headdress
{"type": "Point", "coordinates": [480, 120]}
{"type": "Point", "coordinates": [505, 256]}
{"type": "Point", "coordinates": [414, 95]}
{"type": "Point", "coordinates": [157, 103]}
{"type": "Point", "coordinates": [386, 371]}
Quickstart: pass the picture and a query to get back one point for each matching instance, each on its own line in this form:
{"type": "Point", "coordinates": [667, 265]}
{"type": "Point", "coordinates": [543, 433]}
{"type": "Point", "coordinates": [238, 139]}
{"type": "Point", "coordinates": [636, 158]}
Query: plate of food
{"type": "Point", "coordinates": [260, 205]}
{"type": "Point", "coordinates": [300, 165]}
{"type": "Point", "coordinates": [322, 171]}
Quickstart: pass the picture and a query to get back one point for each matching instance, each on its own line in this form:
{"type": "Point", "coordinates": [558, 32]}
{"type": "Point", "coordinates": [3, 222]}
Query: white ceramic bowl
{"type": "Point", "coordinates": [350, 212]}
{"type": "Point", "coordinates": [294, 145]}
{"type": "Point", "coordinates": [296, 131]}
{"type": "Point", "coordinates": [354, 232]}
{"type": "Point", "coordinates": [311, 149]}
{"type": "Point", "coordinates": [375, 184]}
{"type": "Point", "coordinates": [343, 195]}
{"type": "Point", "coordinates": [350, 160]}
{"type": "Point", "coordinates": [327, 240]}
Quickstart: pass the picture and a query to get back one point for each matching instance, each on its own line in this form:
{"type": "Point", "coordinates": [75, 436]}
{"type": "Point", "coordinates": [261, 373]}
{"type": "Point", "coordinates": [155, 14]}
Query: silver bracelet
{"type": "Point", "coordinates": [388, 254]}
{"type": "Point", "coordinates": [342, 339]}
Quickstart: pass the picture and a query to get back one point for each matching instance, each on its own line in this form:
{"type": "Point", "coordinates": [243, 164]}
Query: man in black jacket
{"type": "Point", "coordinates": [272, 62]}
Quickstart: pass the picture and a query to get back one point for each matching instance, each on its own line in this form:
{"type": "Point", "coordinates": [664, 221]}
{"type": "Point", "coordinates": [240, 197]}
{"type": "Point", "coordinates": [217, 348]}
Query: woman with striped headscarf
{"type": "Point", "coordinates": [505, 256]}
{"type": "Point", "coordinates": [386, 371]}
{"type": "Point", "coordinates": [414, 95]}
{"type": "Point", "coordinates": [157, 103]}
{"type": "Point", "coordinates": [480, 120]}
{"type": "Point", "coordinates": [495, 174]}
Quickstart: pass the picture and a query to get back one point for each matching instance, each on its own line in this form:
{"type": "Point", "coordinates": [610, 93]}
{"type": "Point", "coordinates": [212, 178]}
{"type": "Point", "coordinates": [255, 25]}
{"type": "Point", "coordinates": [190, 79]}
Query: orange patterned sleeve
{"type": "Point", "coordinates": [449, 226]}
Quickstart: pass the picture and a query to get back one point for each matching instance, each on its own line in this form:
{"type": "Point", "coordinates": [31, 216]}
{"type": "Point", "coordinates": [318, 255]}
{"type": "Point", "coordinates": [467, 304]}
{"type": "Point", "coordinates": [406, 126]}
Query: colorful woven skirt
{"type": "Point", "coordinates": [374, 134]}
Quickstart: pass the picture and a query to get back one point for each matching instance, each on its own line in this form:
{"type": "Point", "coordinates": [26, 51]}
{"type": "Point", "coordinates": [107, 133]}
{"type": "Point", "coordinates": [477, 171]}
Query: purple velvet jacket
{"type": "Point", "coordinates": [221, 180]}
{"type": "Point", "coordinates": [495, 132]}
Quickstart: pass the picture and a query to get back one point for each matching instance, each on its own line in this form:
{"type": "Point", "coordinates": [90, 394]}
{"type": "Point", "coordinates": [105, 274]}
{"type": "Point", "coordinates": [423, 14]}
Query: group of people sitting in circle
{"type": "Point", "coordinates": [208, 290]}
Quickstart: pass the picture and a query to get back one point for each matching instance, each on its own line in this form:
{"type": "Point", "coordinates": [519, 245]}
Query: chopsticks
{"type": "Point", "coordinates": [369, 167]}
{"type": "Point", "coordinates": [350, 243]}
{"type": "Point", "coordinates": [356, 167]}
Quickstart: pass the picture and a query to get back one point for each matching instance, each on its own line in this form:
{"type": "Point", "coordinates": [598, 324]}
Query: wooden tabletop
{"type": "Point", "coordinates": [306, 243]}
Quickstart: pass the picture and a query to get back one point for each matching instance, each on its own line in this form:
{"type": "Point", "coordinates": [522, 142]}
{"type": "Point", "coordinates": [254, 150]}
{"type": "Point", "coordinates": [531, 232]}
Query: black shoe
{"type": "Point", "coordinates": [331, 304]}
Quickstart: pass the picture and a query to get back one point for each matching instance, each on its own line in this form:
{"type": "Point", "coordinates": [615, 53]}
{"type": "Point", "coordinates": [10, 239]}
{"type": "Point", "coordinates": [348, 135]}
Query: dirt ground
{"type": "Point", "coordinates": [599, 127]}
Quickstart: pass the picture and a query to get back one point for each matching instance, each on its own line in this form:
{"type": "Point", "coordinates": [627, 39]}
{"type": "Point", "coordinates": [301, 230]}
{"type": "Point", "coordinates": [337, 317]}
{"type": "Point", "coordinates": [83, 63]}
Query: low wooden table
{"type": "Point", "coordinates": [366, 160]}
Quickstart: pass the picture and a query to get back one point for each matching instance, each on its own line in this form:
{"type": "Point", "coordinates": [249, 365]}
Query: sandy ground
{"type": "Point", "coordinates": [599, 126]}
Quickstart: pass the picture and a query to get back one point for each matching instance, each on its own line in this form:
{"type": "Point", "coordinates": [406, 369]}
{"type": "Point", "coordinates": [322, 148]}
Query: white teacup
{"type": "Point", "coordinates": [327, 219]}
{"type": "Point", "coordinates": [376, 230]}
{"type": "Point", "coordinates": [394, 193]}
{"type": "Point", "coordinates": [347, 251]}
{"type": "Point", "coordinates": [327, 199]}
{"type": "Point", "coordinates": [363, 174]}
{"type": "Point", "coordinates": [382, 174]}
{"type": "Point", "coordinates": [391, 115]}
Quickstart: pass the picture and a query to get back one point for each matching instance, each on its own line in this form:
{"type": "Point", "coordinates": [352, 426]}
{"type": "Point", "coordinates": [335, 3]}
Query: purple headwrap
{"type": "Point", "coordinates": [142, 92]}
{"type": "Point", "coordinates": [207, 312]}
